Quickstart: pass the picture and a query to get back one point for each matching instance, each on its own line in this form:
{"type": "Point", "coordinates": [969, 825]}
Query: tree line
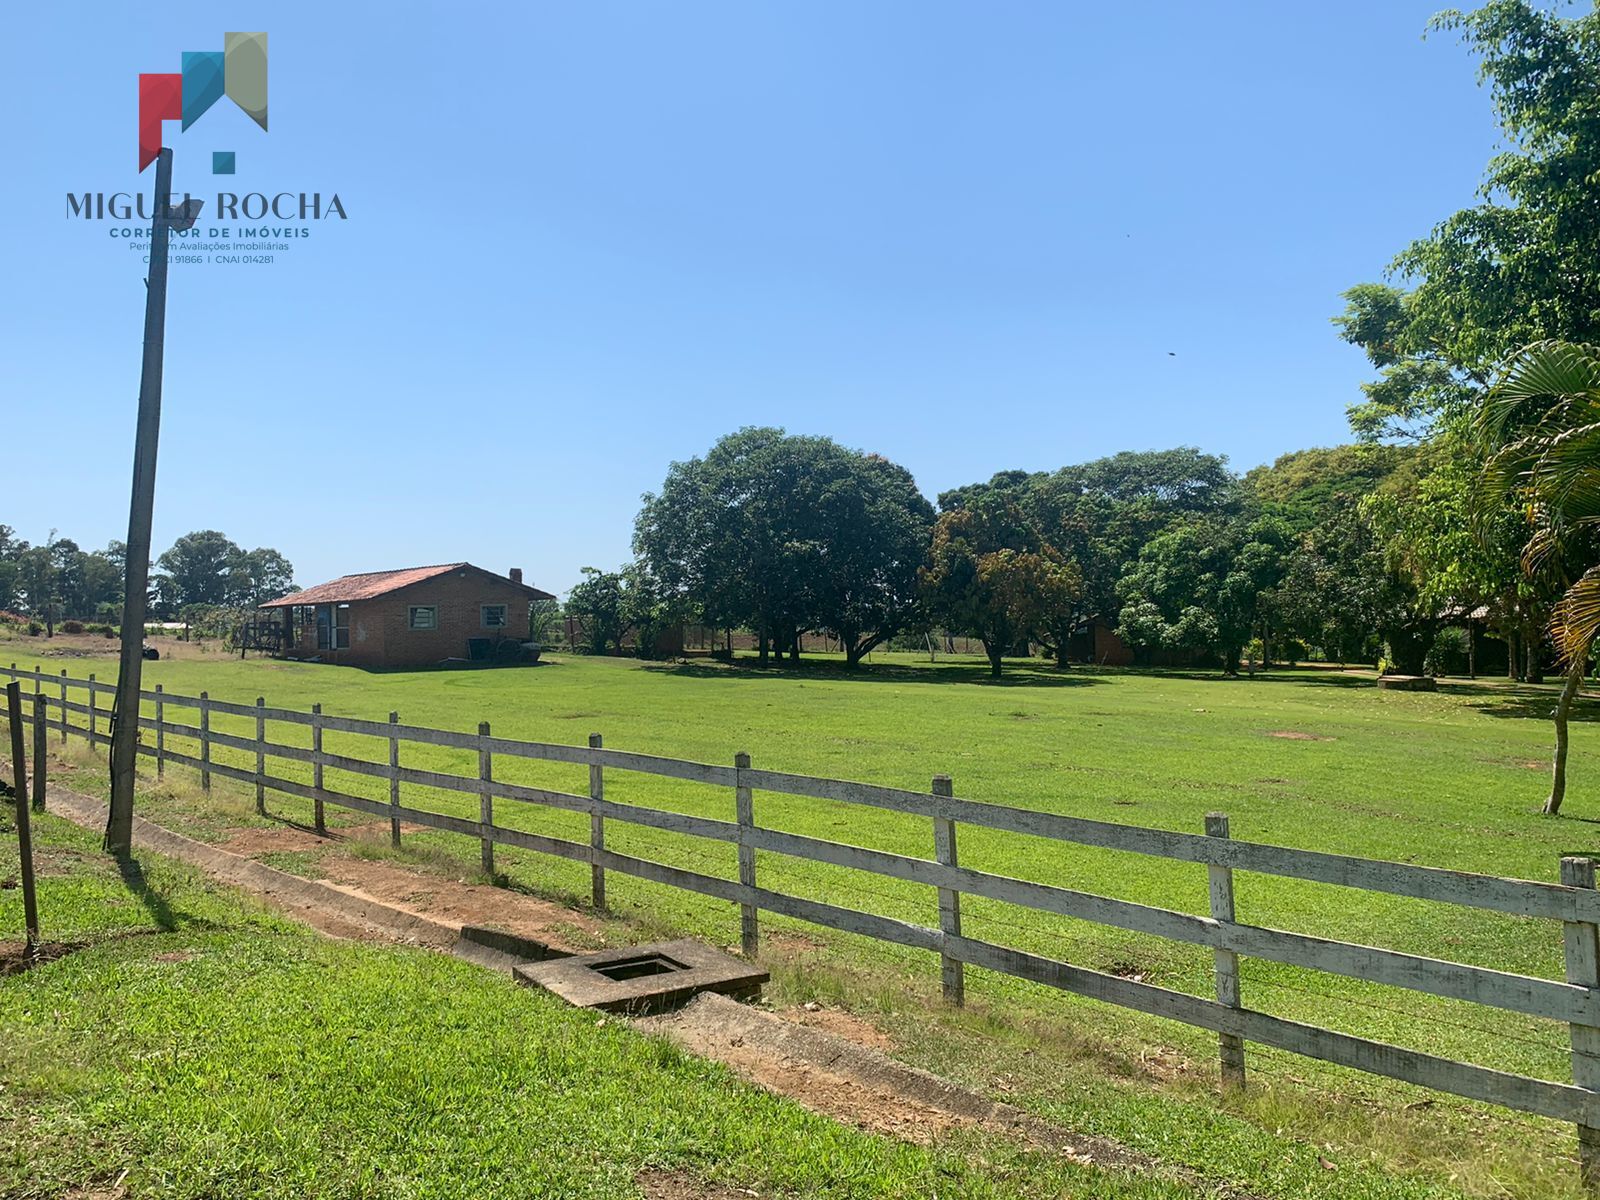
{"type": "Point", "coordinates": [58, 580]}
{"type": "Point", "coordinates": [786, 535]}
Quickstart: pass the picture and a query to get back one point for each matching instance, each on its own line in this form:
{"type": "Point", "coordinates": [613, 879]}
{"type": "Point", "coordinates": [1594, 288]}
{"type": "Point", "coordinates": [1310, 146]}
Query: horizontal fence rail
{"type": "Point", "coordinates": [1574, 902]}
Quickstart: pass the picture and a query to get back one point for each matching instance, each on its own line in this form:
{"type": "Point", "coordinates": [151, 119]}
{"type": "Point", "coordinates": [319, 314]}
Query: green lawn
{"type": "Point", "coordinates": [1451, 779]}
{"type": "Point", "coordinates": [200, 1047]}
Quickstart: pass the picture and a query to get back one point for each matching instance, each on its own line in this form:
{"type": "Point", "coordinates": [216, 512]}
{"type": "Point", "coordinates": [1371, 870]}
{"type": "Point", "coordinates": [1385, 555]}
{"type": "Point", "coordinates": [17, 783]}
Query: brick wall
{"type": "Point", "coordinates": [381, 635]}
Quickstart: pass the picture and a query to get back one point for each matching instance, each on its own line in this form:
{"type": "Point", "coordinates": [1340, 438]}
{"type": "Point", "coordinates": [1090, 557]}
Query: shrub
{"type": "Point", "coordinates": [35, 629]}
{"type": "Point", "coordinates": [1448, 654]}
{"type": "Point", "coordinates": [72, 627]}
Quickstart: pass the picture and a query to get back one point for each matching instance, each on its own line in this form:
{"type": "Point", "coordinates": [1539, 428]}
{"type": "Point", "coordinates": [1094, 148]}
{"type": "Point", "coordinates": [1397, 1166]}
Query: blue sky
{"type": "Point", "coordinates": [586, 240]}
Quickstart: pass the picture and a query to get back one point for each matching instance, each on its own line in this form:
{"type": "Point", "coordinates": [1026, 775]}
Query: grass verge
{"type": "Point", "coordinates": [198, 1046]}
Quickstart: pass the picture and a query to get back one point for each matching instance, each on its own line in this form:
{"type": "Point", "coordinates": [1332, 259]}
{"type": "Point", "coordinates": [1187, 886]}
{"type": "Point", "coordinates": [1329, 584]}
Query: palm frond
{"type": "Point", "coordinates": [1576, 622]}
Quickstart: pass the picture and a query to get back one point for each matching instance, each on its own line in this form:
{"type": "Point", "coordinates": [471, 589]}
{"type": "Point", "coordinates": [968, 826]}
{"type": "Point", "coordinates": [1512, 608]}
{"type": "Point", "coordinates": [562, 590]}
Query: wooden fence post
{"type": "Point", "coordinates": [745, 813]}
{"type": "Point", "coordinates": [952, 970]}
{"type": "Point", "coordinates": [63, 706]}
{"type": "Point", "coordinates": [318, 816]}
{"type": "Point", "coordinates": [1583, 968]}
{"type": "Point", "coordinates": [161, 733]}
{"type": "Point", "coordinates": [261, 756]}
{"type": "Point", "coordinates": [41, 719]}
{"type": "Point", "coordinates": [205, 742]}
{"type": "Point", "coordinates": [394, 783]}
{"type": "Point", "coordinates": [92, 713]}
{"type": "Point", "coordinates": [1230, 1046]}
{"type": "Point", "coordinates": [41, 711]}
{"type": "Point", "coordinates": [597, 829]}
{"type": "Point", "coordinates": [485, 798]}
{"type": "Point", "coordinates": [19, 773]}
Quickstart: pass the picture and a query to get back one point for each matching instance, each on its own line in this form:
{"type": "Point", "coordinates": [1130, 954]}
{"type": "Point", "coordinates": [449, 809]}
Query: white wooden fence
{"type": "Point", "coordinates": [1574, 901]}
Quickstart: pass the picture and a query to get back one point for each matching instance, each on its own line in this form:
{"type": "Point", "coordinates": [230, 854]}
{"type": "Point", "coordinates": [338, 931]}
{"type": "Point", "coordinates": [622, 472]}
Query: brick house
{"type": "Point", "coordinates": [416, 617]}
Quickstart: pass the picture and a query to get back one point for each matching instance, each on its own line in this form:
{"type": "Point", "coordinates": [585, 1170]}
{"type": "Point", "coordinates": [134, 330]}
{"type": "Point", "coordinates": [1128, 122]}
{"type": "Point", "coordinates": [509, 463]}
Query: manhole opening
{"type": "Point", "coordinates": [637, 968]}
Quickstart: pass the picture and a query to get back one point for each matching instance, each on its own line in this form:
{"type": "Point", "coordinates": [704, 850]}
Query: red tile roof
{"type": "Point", "coordinates": [371, 584]}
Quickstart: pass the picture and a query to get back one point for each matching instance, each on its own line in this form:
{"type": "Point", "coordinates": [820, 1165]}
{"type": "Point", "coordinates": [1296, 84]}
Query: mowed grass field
{"type": "Point", "coordinates": [1318, 759]}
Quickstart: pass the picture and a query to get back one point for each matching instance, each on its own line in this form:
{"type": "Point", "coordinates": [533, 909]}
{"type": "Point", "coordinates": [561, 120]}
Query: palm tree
{"type": "Point", "coordinates": [1542, 424]}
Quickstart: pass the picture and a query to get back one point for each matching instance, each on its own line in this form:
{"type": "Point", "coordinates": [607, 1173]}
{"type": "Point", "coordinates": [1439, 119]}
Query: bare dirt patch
{"type": "Point", "coordinates": [680, 1185]}
{"type": "Point", "coordinates": [843, 1024]}
{"type": "Point", "coordinates": [251, 843]}
{"type": "Point", "coordinates": [789, 943]}
{"type": "Point", "coordinates": [14, 955]}
{"type": "Point", "coordinates": [455, 902]}
{"type": "Point", "coordinates": [56, 860]}
{"type": "Point", "coordinates": [1298, 735]}
{"type": "Point", "coordinates": [859, 1084]}
{"type": "Point", "coordinates": [873, 1108]}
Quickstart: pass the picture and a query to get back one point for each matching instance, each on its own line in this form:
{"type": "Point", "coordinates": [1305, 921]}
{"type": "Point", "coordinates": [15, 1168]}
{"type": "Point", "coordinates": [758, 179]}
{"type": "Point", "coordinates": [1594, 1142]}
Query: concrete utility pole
{"type": "Point", "coordinates": [136, 568]}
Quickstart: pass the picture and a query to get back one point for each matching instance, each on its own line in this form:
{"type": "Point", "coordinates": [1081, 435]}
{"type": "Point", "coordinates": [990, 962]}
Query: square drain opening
{"type": "Point", "coordinates": [638, 968]}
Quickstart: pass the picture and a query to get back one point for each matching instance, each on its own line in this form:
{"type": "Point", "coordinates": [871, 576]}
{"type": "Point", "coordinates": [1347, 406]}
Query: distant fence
{"type": "Point", "coordinates": [1574, 901]}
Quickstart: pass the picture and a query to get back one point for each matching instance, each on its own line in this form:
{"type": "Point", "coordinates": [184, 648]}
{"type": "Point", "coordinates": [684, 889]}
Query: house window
{"type": "Point", "coordinates": [324, 627]}
{"type": "Point", "coordinates": [424, 616]}
{"type": "Point", "coordinates": [494, 616]}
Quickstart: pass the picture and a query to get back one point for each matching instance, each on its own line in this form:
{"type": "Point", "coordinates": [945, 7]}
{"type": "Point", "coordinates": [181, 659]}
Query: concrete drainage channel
{"type": "Point", "coordinates": [683, 990]}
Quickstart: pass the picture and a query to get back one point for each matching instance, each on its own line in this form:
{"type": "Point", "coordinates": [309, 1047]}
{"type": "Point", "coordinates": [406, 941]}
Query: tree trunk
{"type": "Point", "coordinates": [1230, 660]}
{"type": "Point", "coordinates": [794, 649]}
{"type": "Point", "coordinates": [995, 651]}
{"type": "Point", "coordinates": [1534, 644]}
{"type": "Point", "coordinates": [761, 643]}
{"type": "Point", "coordinates": [1558, 765]}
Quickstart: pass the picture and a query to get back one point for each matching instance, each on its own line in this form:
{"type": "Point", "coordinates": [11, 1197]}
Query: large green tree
{"type": "Point", "coordinates": [989, 577]}
{"type": "Point", "coordinates": [208, 569]}
{"type": "Point", "coordinates": [785, 533]}
{"type": "Point", "coordinates": [1307, 487]}
{"type": "Point", "coordinates": [1516, 267]}
{"type": "Point", "coordinates": [1093, 519]}
{"type": "Point", "coordinates": [1202, 587]}
{"type": "Point", "coordinates": [197, 569]}
{"type": "Point", "coordinates": [600, 605]}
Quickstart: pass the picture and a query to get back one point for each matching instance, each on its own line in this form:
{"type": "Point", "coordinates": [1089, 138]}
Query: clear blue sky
{"type": "Point", "coordinates": [586, 240]}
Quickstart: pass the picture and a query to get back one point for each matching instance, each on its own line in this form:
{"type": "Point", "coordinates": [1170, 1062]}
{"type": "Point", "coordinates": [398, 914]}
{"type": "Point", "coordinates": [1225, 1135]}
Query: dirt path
{"type": "Point", "coordinates": [361, 899]}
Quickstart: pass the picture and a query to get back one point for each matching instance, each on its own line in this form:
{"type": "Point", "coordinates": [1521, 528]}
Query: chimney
{"type": "Point", "coordinates": [516, 574]}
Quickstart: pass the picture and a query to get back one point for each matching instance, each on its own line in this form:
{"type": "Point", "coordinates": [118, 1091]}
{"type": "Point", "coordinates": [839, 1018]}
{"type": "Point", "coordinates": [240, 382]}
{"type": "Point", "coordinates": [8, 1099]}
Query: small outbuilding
{"type": "Point", "coordinates": [414, 617]}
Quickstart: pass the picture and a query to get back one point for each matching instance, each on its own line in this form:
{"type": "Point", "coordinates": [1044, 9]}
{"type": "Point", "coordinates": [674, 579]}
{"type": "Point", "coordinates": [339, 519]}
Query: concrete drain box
{"type": "Point", "coordinates": [644, 978]}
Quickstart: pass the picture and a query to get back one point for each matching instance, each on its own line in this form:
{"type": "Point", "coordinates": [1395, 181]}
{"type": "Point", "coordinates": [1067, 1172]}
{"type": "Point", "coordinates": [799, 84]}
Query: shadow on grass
{"type": "Point", "coordinates": [454, 665]}
{"type": "Point", "coordinates": [155, 903]}
{"type": "Point", "coordinates": [331, 833]}
{"type": "Point", "coordinates": [1017, 674]}
{"type": "Point", "coordinates": [1527, 704]}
